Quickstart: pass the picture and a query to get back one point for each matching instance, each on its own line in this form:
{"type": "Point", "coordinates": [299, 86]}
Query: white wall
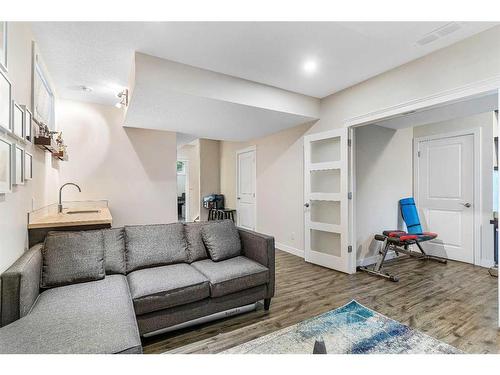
{"type": "Point", "coordinates": [486, 122]}
{"type": "Point", "coordinates": [384, 175]}
{"type": "Point", "coordinates": [134, 169]}
{"type": "Point", "coordinates": [39, 191]}
{"type": "Point", "coordinates": [280, 184]}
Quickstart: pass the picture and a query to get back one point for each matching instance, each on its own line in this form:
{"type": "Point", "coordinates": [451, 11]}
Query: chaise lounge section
{"type": "Point", "coordinates": [99, 291]}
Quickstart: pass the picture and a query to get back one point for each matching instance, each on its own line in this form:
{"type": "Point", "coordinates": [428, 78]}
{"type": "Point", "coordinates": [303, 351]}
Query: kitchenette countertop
{"type": "Point", "coordinates": [70, 217]}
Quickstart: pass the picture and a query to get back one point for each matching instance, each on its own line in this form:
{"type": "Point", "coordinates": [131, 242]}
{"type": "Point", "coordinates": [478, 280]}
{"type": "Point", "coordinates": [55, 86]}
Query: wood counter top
{"type": "Point", "coordinates": [57, 220]}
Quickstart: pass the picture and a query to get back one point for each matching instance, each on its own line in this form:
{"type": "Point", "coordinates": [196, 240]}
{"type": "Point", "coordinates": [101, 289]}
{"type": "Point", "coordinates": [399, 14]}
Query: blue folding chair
{"type": "Point", "coordinates": [399, 241]}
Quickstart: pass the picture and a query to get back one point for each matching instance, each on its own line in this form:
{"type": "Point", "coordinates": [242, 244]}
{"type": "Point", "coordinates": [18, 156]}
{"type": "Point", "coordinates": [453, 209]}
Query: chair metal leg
{"type": "Point", "coordinates": [377, 268]}
{"type": "Point", "coordinates": [431, 257]}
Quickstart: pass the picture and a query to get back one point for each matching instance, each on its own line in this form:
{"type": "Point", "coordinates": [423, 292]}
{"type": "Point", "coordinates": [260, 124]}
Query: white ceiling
{"type": "Point", "coordinates": [100, 55]}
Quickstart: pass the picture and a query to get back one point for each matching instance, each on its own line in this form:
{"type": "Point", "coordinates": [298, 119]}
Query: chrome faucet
{"type": "Point", "coordinates": [59, 206]}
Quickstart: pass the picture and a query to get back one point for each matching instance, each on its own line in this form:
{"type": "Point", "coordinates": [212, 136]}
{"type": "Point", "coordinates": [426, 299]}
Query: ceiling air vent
{"type": "Point", "coordinates": [427, 39]}
{"type": "Point", "coordinates": [448, 29]}
{"type": "Point", "coordinates": [439, 33]}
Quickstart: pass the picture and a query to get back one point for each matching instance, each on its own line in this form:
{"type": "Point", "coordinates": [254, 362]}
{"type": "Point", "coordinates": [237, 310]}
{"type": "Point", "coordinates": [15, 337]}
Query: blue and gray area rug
{"type": "Point", "coordinates": [350, 329]}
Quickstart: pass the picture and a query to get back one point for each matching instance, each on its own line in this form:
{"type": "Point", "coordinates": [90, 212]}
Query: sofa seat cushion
{"type": "Point", "coordinates": [93, 317]}
{"type": "Point", "coordinates": [232, 275]}
{"type": "Point", "coordinates": [159, 288]}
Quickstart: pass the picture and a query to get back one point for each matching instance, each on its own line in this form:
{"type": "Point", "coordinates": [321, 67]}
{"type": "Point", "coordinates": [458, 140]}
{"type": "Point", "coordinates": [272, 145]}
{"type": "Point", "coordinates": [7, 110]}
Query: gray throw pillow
{"type": "Point", "coordinates": [222, 240]}
{"type": "Point", "coordinates": [154, 245]}
{"type": "Point", "coordinates": [72, 257]}
{"type": "Point", "coordinates": [114, 251]}
{"type": "Point", "coordinates": [196, 247]}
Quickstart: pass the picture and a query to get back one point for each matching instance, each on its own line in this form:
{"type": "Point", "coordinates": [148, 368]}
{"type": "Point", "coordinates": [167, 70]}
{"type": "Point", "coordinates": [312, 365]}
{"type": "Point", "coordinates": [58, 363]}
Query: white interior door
{"type": "Point", "coordinates": [326, 200]}
{"type": "Point", "coordinates": [245, 188]}
{"type": "Point", "coordinates": [445, 181]}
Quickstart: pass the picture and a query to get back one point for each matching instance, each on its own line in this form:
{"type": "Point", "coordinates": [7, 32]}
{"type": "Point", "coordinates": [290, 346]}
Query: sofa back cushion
{"type": "Point", "coordinates": [222, 240]}
{"type": "Point", "coordinates": [72, 257]}
{"type": "Point", "coordinates": [154, 245]}
{"type": "Point", "coordinates": [114, 251]}
{"type": "Point", "coordinates": [196, 247]}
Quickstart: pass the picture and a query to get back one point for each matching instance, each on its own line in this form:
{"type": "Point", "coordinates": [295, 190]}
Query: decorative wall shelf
{"type": "Point", "coordinates": [46, 143]}
{"type": "Point", "coordinates": [61, 155]}
{"type": "Point", "coordinates": [50, 145]}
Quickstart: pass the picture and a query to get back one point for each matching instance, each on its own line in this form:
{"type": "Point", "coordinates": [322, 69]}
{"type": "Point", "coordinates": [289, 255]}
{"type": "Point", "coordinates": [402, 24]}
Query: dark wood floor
{"type": "Point", "coordinates": [456, 303]}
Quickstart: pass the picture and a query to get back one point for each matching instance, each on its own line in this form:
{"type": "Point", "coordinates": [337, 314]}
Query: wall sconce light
{"type": "Point", "coordinates": [123, 96]}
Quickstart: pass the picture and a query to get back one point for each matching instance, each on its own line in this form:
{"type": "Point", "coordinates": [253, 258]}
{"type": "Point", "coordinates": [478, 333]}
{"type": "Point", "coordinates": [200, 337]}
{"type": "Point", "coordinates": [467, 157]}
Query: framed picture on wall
{"type": "Point", "coordinates": [17, 120]}
{"type": "Point", "coordinates": [5, 102]}
{"type": "Point", "coordinates": [28, 124]}
{"type": "Point", "coordinates": [28, 166]}
{"type": "Point", "coordinates": [3, 46]}
{"type": "Point", "coordinates": [5, 166]}
{"type": "Point", "coordinates": [18, 166]}
{"type": "Point", "coordinates": [42, 93]}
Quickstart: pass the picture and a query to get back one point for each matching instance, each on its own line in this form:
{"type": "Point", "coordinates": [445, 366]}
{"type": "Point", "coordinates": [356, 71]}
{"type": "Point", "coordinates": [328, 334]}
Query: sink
{"type": "Point", "coordinates": [83, 212]}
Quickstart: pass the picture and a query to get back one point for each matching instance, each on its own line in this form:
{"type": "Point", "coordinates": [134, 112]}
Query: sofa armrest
{"type": "Point", "coordinates": [260, 248]}
{"type": "Point", "coordinates": [20, 286]}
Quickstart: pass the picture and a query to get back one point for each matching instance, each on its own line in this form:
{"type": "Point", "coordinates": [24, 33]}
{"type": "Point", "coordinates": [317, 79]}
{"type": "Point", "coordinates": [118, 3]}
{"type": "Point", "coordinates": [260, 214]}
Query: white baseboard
{"type": "Point", "coordinates": [373, 259]}
{"type": "Point", "coordinates": [486, 263]}
{"type": "Point", "coordinates": [289, 249]}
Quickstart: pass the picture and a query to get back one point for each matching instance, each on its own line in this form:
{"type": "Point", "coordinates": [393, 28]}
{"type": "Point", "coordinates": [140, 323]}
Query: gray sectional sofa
{"type": "Point", "coordinates": [99, 291]}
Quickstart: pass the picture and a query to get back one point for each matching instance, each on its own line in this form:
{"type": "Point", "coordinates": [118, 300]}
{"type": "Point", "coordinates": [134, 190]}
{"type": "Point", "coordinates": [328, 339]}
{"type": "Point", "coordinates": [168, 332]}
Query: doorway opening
{"type": "Point", "coordinates": [445, 158]}
{"type": "Point", "coordinates": [183, 190]}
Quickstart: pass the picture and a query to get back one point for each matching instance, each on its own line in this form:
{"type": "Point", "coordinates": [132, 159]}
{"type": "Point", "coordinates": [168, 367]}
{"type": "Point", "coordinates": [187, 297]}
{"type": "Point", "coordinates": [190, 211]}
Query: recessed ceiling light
{"type": "Point", "coordinates": [310, 66]}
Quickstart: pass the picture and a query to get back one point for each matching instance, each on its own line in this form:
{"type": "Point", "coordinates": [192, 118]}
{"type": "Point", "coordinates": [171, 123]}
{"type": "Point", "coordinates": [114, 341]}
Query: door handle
{"type": "Point", "coordinates": [238, 198]}
{"type": "Point", "coordinates": [466, 205]}
{"type": "Point", "coordinates": [306, 205]}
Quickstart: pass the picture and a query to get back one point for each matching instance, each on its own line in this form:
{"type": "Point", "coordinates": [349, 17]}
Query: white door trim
{"type": "Point", "coordinates": [498, 194]}
{"type": "Point", "coordinates": [188, 196]}
{"type": "Point", "coordinates": [478, 88]}
{"type": "Point", "coordinates": [478, 175]}
{"type": "Point", "coordinates": [242, 151]}
{"type": "Point", "coordinates": [351, 170]}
